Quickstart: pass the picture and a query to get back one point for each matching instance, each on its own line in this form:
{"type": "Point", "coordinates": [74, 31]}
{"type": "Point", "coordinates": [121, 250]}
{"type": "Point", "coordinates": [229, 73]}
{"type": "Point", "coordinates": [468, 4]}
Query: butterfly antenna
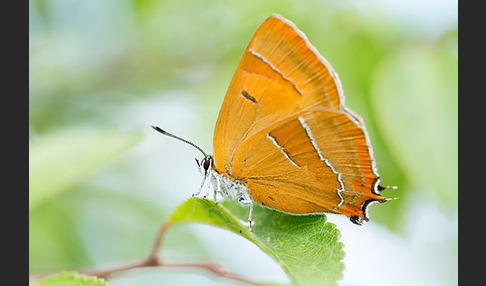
{"type": "Point", "coordinates": [179, 138]}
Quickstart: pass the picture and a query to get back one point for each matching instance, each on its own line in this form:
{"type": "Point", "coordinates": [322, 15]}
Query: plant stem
{"type": "Point", "coordinates": [153, 260]}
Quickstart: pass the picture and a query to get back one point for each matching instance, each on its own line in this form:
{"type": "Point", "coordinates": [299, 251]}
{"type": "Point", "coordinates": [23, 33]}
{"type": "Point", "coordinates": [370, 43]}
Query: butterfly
{"type": "Point", "coordinates": [284, 138]}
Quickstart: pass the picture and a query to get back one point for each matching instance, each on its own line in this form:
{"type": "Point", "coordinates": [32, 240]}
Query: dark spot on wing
{"type": "Point", "coordinates": [248, 96]}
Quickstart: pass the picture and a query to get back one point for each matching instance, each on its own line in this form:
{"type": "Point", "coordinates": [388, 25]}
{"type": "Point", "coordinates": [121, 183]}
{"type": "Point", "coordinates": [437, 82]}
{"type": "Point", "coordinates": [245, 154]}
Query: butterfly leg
{"type": "Point", "coordinates": [248, 202]}
{"type": "Point", "coordinates": [216, 190]}
{"type": "Point", "coordinates": [200, 187]}
{"type": "Point", "coordinates": [207, 191]}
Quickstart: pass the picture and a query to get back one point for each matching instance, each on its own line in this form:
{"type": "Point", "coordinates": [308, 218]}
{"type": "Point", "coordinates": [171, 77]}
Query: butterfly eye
{"type": "Point", "coordinates": [206, 163]}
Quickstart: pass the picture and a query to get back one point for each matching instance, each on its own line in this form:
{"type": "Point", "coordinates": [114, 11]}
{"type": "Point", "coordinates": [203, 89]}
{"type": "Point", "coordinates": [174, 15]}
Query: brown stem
{"type": "Point", "coordinates": [153, 257]}
{"type": "Point", "coordinates": [216, 269]}
{"type": "Point", "coordinates": [153, 260]}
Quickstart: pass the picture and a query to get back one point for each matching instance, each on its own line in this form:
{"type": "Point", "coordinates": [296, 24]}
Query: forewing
{"type": "Point", "coordinates": [279, 75]}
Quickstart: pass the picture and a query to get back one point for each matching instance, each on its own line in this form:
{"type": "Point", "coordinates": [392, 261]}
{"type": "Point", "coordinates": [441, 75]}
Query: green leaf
{"type": "Point", "coordinates": [61, 160]}
{"type": "Point", "coordinates": [54, 241]}
{"type": "Point", "coordinates": [306, 247]}
{"type": "Point", "coordinates": [71, 279]}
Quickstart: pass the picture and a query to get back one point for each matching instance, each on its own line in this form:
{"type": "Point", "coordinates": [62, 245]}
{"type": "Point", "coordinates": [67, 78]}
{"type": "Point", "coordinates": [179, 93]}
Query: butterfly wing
{"type": "Point", "coordinates": [279, 74]}
{"type": "Point", "coordinates": [284, 131]}
{"type": "Point", "coordinates": [315, 161]}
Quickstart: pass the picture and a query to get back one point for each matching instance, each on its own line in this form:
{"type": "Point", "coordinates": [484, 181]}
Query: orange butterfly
{"type": "Point", "coordinates": [284, 137]}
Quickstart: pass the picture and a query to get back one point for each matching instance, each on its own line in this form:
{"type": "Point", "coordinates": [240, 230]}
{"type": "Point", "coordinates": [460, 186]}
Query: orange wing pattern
{"type": "Point", "coordinates": [278, 75]}
{"type": "Point", "coordinates": [284, 131]}
{"type": "Point", "coordinates": [316, 161]}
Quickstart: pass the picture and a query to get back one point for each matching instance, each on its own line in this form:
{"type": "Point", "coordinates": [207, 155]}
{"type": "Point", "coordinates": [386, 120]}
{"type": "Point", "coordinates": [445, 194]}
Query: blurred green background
{"type": "Point", "coordinates": [101, 180]}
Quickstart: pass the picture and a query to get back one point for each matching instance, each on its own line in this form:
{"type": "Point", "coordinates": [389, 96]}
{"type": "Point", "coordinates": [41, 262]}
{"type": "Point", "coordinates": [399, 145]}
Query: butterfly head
{"type": "Point", "coordinates": [205, 164]}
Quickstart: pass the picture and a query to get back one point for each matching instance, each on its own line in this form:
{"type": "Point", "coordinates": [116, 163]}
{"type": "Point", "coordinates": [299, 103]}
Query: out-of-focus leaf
{"type": "Point", "coordinates": [53, 238]}
{"type": "Point", "coordinates": [307, 247]}
{"type": "Point", "coordinates": [71, 279]}
{"type": "Point", "coordinates": [60, 160]}
{"type": "Point", "coordinates": [415, 93]}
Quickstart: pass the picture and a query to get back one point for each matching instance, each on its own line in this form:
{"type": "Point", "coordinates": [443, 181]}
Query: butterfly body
{"type": "Point", "coordinates": [229, 187]}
